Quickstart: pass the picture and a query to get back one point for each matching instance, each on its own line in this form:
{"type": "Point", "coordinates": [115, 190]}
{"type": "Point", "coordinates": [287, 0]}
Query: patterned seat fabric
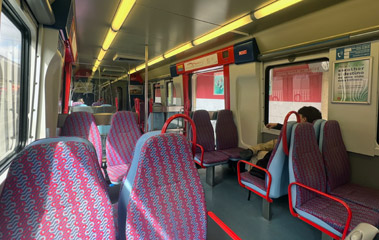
{"type": "Point", "coordinates": [205, 137]}
{"type": "Point", "coordinates": [55, 190]}
{"type": "Point", "coordinates": [247, 178]}
{"type": "Point", "coordinates": [338, 169]}
{"type": "Point", "coordinates": [120, 144]}
{"type": "Point", "coordinates": [212, 158]}
{"type": "Point", "coordinates": [82, 124]}
{"type": "Point", "coordinates": [226, 132]}
{"type": "Point", "coordinates": [158, 199]}
{"type": "Point", "coordinates": [335, 155]}
{"type": "Point", "coordinates": [307, 167]}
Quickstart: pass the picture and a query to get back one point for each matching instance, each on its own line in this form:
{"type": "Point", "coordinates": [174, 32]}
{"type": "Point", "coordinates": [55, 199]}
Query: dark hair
{"type": "Point", "coordinates": [310, 113]}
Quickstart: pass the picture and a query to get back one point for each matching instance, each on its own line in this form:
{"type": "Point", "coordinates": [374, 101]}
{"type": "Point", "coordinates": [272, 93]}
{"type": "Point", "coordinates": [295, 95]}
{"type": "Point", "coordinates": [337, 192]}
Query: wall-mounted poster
{"type": "Point", "coordinates": [352, 81]}
{"type": "Point", "coordinates": [135, 89]}
{"type": "Point", "coordinates": [218, 85]}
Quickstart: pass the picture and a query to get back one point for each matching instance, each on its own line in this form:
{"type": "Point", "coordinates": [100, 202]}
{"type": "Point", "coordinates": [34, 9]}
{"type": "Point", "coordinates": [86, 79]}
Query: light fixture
{"type": "Point", "coordinates": [132, 71]}
{"type": "Point", "coordinates": [109, 39]}
{"type": "Point", "coordinates": [155, 60]}
{"type": "Point", "coordinates": [101, 54]}
{"type": "Point", "coordinates": [274, 7]}
{"type": "Point", "coordinates": [140, 67]}
{"type": "Point", "coordinates": [224, 29]}
{"type": "Point", "coordinates": [122, 12]}
{"type": "Point", "coordinates": [94, 69]}
{"type": "Point", "coordinates": [178, 50]}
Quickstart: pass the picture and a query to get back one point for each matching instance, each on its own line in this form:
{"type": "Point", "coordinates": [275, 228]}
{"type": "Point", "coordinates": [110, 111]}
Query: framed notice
{"type": "Point", "coordinates": [352, 81]}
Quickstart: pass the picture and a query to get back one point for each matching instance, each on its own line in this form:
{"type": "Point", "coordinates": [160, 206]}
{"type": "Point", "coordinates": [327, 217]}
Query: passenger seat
{"type": "Point", "coordinates": [121, 141]}
{"type": "Point", "coordinates": [55, 190]}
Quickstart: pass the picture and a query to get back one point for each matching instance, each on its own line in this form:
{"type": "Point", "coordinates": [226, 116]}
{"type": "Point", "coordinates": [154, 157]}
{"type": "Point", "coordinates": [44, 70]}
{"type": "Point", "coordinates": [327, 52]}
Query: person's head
{"type": "Point", "coordinates": [309, 114]}
{"type": "Point", "coordinates": [81, 100]}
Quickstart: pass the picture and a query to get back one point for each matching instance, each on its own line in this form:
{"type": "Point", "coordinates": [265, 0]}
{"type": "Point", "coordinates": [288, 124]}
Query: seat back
{"type": "Point", "coordinates": [55, 190]}
{"type": "Point", "coordinates": [317, 127]}
{"type": "Point", "coordinates": [226, 131]}
{"type": "Point", "coordinates": [81, 108]}
{"type": "Point", "coordinates": [204, 130]}
{"type": "Point", "coordinates": [122, 138]}
{"type": "Point", "coordinates": [82, 124]}
{"type": "Point", "coordinates": [156, 121]}
{"type": "Point", "coordinates": [335, 156]}
{"type": "Point", "coordinates": [278, 166]}
{"type": "Point", "coordinates": [162, 196]}
{"type": "Point", "coordinates": [305, 163]}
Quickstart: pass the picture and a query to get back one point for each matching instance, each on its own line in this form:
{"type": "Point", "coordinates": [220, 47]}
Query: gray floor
{"type": "Point", "coordinates": [229, 202]}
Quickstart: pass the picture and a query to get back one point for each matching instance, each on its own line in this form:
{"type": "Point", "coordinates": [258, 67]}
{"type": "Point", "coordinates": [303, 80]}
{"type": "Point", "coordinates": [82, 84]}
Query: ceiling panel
{"type": "Point", "coordinates": [164, 24]}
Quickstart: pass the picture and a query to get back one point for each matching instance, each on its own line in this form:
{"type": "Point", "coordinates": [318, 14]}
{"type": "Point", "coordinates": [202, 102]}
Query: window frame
{"type": "Point", "coordinates": [267, 80]}
{"type": "Point", "coordinates": [11, 13]}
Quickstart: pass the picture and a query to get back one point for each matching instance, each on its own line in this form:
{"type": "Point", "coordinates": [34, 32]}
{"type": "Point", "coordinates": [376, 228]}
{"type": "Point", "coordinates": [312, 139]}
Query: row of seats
{"type": "Point", "coordinates": [105, 108]}
{"type": "Point", "coordinates": [208, 155]}
{"type": "Point", "coordinates": [320, 190]}
{"type": "Point", "coordinates": [120, 143]}
{"type": "Point", "coordinates": [55, 190]}
{"type": "Point", "coordinates": [317, 159]}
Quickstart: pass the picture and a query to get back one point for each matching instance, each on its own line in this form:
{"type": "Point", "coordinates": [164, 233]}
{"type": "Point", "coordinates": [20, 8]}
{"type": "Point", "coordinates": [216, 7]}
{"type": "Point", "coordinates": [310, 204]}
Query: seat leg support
{"type": "Point", "coordinates": [266, 210]}
{"type": "Point", "coordinates": [248, 198]}
{"type": "Point", "coordinates": [210, 175]}
{"type": "Point", "coordinates": [325, 236]}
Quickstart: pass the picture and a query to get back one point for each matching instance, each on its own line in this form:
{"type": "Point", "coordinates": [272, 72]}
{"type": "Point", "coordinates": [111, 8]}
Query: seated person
{"type": "Point", "coordinates": [264, 150]}
{"type": "Point", "coordinates": [79, 102]}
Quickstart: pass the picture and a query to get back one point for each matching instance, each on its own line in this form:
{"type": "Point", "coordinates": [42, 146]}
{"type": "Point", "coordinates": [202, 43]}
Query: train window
{"type": "Point", "coordinates": [209, 90]}
{"type": "Point", "coordinates": [157, 93]}
{"type": "Point", "coordinates": [172, 100]}
{"type": "Point", "coordinates": [11, 60]}
{"type": "Point", "coordinates": [292, 86]}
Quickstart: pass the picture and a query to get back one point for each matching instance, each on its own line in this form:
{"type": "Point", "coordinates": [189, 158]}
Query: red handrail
{"type": "Point", "coordinates": [314, 224]}
{"type": "Point", "coordinates": [284, 135]}
{"type": "Point", "coordinates": [192, 125]}
{"type": "Point", "coordinates": [202, 155]}
{"type": "Point", "coordinates": [223, 226]}
{"type": "Point", "coordinates": [268, 199]}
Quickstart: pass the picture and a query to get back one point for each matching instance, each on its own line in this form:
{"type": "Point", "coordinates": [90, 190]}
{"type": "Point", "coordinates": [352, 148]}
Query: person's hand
{"type": "Point", "coordinates": [271, 125]}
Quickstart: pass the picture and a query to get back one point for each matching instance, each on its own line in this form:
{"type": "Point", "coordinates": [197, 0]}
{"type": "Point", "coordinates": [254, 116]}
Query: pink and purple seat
{"type": "Point", "coordinates": [162, 196]}
{"type": "Point", "coordinates": [227, 135]}
{"type": "Point", "coordinates": [206, 156]}
{"type": "Point", "coordinates": [82, 124]}
{"type": "Point", "coordinates": [55, 190]}
{"type": "Point", "coordinates": [338, 170]}
{"type": "Point", "coordinates": [121, 141]}
{"type": "Point", "coordinates": [308, 187]}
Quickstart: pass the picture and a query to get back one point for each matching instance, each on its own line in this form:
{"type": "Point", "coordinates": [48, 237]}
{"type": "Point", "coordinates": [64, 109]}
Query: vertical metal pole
{"type": "Point", "coordinates": [146, 86]}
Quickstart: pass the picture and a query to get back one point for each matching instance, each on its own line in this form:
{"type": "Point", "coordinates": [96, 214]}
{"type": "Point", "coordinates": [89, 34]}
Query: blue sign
{"type": "Point", "coordinates": [354, 51]}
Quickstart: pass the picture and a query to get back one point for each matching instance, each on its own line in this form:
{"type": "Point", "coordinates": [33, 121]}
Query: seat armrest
{"type": "Point", "coordinates": [202, 155]}
{"type": "Point", "coordinates": [261, 168]}
{"type": "Point", "coordinates": [224, 227]}
{"type": "Point", "coordinates": [312, 223]}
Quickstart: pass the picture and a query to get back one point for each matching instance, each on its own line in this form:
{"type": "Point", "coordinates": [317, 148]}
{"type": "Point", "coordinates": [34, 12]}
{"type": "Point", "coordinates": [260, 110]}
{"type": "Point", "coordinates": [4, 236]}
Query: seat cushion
{"type": "Point", "coordinates": [357, 194]}
{"type": "Point", "coordinates": [212, 158]}
{"type": "Point", "coordinates": [259, 182]}
{"type": "Point", "coordinates": [335, 215]}
{"type": "Point", "coordinates": [233, 153]}
{"type": "Point", "coordinates": [116, 173]}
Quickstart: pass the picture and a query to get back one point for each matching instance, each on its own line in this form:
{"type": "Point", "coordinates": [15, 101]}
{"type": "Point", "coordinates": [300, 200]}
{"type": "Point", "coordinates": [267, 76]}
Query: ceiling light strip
{"type": "Point", "coordinates": [274, 7]}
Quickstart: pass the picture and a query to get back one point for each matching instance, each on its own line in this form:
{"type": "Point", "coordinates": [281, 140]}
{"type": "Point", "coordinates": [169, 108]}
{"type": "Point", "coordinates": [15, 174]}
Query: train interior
{"type": "Point", "coordinates": [142, 119]}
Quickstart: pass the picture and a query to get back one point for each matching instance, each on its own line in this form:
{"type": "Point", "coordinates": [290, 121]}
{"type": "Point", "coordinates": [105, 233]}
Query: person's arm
{"type": "Point", "coordinates": [277, 126]}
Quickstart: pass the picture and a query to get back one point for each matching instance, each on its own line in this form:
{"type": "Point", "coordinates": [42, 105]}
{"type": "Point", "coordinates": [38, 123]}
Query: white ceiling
{"type": "Point", "coordinates": [164, 24]}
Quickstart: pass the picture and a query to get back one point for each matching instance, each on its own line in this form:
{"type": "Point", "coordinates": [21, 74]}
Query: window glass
{"type": "Point", "coordinates": [157, 93]}
{"type": "Point", "coordinates": [10, 79]}
{"type": "Point", "coordinates": [293, 86]}
{"type": "Point", "coordinates": [209, 91]}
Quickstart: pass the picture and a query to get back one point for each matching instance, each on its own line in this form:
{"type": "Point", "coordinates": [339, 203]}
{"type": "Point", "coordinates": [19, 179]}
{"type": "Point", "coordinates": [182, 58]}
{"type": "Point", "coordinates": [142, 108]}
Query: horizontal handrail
{"type": "Point", "coordinates": [254, 191]}
{"type": "Point", "coordinates": [223, 226]}
{"type": "Point", "coordinates": [314, 224]}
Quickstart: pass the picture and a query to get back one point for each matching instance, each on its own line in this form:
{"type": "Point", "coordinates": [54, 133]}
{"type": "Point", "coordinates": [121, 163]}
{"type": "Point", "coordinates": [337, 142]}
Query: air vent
{"type": "Point", "coordinates": [128, 58]}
